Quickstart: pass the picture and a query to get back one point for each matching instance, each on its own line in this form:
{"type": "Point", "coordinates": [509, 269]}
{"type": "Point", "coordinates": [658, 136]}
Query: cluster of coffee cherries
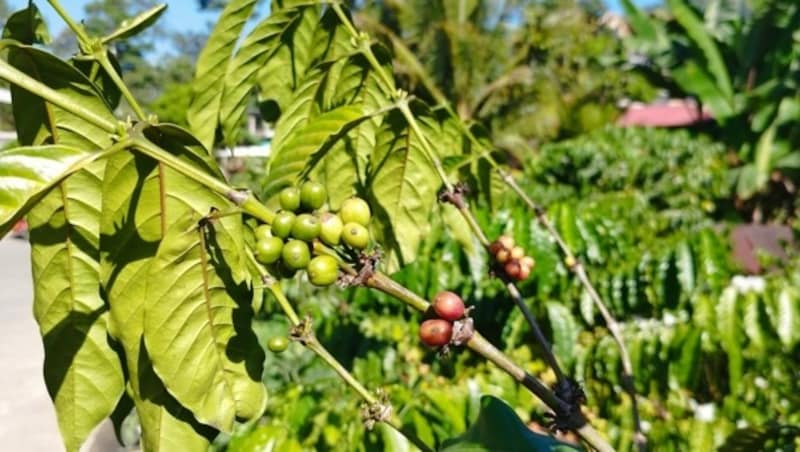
{"type": "Point", "coordinates": [448, 308]}
{"type": "Point", "coordinates": [287, 242]}
{"type": "Point", "coordinates": [511, 259]}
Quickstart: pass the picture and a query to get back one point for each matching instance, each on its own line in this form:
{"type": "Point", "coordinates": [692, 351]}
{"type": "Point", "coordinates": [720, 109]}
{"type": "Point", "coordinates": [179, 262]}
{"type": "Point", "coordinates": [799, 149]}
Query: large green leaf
{"type": "Point", "coordinates": [82, 371]}
{"type": "Point", "coordinates": [212, 68]}
{"type": "Point", "coordinates": [404, 186]}
{"type": "Point", "coordinates": [352, 81]}
{"type": "Point", "coordinates": [131, 228]}
{"type": "Point", "coordinates": [314, 40]}
{"type": "Point", "coordinates": [695, 79]}
{"type": "Point", "coordinates": [565, 332]}
{"type": "Point", "coordinates": [498, 428]}
{"type": "Point", "coordinates": [27, 174]}
{"type": "Point", "coordinates": [786, 315]}
{"type": "Point", "coordinates": [27, 26]}
{"type": "Point", "coordinates": [695, 29]}
{"type": "Point", "coordinates": [301, 108]}
{"type": "Point", "coordinates": [300, 153]}
{"type": "Point", "coordinates": [256, 49]}
{"type": "Point", "coordinates": [38, 122]}
{"type": "Point", "coordinates": [144, 203]}
{"type": "Point", "coordinates": [730, 332]}
{"type": "Point", "coordinates": [197, 324]}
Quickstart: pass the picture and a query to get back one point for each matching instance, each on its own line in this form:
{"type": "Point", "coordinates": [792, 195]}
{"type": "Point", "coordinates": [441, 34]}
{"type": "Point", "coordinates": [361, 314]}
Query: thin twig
{"type": "Point", "coordinates": [456, 198]}
{"type": "Point", "coordinates": [570, 417]}
{"type": "Point", "coordinates": [613, 326]}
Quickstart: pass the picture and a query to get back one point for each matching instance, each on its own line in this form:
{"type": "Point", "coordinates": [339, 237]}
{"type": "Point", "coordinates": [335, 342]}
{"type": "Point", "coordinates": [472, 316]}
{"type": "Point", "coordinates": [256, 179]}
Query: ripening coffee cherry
{"type": "Point", "coordinates": [436, 332]}
{"type": "Point", "coordinates": [570, 261]}
{"type": "Point", "coordinates": [448, 305]}
{"type": "Point", "coordinates": [355, 235]}
{"type": "Point", "coordinates": [278, 344]}
{"type": "Point", "coordinates": [290, 199]}
{"type": "Point", "coordinates": [355, 210]}
{"type": "Point", "coordinates": [503, 256]}
{"type": "Point", "coordinates": [512, 269]}
{"type": "Point", "coordinates": [282, 224]}
{"type": "Point", "coordinates": [331, 227]}
{"type": "Point", "coordinates": [524, 272]}
{"type": "Point", "coordinates": [295, 254]}
{"type": "Point", "coordinates": [495, 247]}
{"type": "Point", "coordinates": [306, 227]}
{"type": "Point", "coordinates": [517, 252]}
{"type": "Point", "coordinates": [507, 241]}
{"type": "Point", "coordinates": [262, 232]}
{"type": "Point", "coordinates": [528, 262]}
{"type": "Point", "coordinates": [323, 270]}
{"type": "Point", "coordinates": [268, 250]}
{"type": "Point", "coordinates": [312, 195]}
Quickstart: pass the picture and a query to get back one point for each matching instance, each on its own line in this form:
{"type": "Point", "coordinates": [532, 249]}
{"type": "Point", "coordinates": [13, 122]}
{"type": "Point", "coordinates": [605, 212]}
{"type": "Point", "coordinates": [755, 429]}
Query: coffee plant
{"type": "Point", "coordinates": [153, 274]}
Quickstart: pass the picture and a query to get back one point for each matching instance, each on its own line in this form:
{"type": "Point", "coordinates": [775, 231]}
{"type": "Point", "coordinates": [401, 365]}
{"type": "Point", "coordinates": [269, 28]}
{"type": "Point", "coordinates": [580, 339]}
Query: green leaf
{"type": "Point", "coordinates": [696, 80]}
{"type": "Point", "coordinates": [786, 318]}
{"type": "Point", "coordinates": [27, 174]}
{"type": "Point", "coordinates": [131, 229]}
{"type": "Point", "coordinates": [300, 109]}
{"type": "Point", "coordinates": [565, 332]}
{"type": "Point", "coordinates": [256, 49]}
{"type": "Point", "coordinates": [763, 157]}
{"type": "Point", "coordinates": [404, 186]}
{"type": "Point", "coordinates": [64, 234]}
{"type": "Point", "coordinates": [212, 68]}
{"type": "Point", "coordinates": [499, 429]}
{"type": "Point", "coordinates": [82, 371]}
{"type": "Point", "coordinates": [351, 81]}
{"type": "Point", "coordinates": [144, 208]}
{"type": "Point", "coordinates": [132, 27]}
{"type": "Point", "coordinates": [695, 29]}
{"type": "Point", "coordinates": [303, 150]}
{"type": "Point", "coordinates": [646, 29]}
{"type": "Point", "coordinates": [195, 326]}
{"type": "Point", "coordinates": [730, 331]}
{"type": "Point", "coordinates": [27, 26]}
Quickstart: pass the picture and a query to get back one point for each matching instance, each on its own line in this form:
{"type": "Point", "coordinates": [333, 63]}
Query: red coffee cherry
{"type": "Point", "coordinates": [448, 306]}
{"type": "Point", "coordinates": [435, 332]}
{"type": "Point", "coordinates": [512, 269]}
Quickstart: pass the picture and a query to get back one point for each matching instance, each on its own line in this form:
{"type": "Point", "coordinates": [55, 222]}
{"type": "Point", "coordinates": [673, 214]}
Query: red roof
{"type": "Point", "coordinates": [672, 113]}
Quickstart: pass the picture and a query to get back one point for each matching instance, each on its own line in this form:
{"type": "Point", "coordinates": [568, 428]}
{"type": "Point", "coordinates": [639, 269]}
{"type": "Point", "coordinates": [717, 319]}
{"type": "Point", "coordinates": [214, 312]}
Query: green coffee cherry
{"type": "Point", "coordinates": [306, 227]}
{"type": "Point", "coordinates": [282, 224]}
{"type": "Point", "coordinates": [330, 228]}
{"type": "Point", "coordinates": [355, 235]}
{"type": "Point", "coordinates": [268, 250]}
{"type": "Point", "coordinates": [295, 254]}
{"type": "Point", "coordinates": [355, 210]}
{"type": "Point", "coordinates": [312, 195]}
{"type": "Point", "coordinates": [323, 270]}
{"type": "Point", "coordinates": [290, 199]}
{"type": "Point", "coordinates": [278, 344]}
{"type": "Point", "coordinates": [262, 232]}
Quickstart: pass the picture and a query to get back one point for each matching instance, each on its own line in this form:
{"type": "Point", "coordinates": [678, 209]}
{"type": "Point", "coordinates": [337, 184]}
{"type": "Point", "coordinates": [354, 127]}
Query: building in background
{"type": "Point", "coordinates": [6, 136]}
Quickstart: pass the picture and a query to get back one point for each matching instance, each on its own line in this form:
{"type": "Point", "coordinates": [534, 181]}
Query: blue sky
{"type": "Point", "coordinates": [181, 14]}
{"type": "Point", "coordinates": [184, 15]}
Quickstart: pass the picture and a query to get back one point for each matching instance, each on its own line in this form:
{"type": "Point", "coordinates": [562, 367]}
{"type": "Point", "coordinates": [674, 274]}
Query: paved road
{"type": "Point", "coordinates": [27, 419]}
